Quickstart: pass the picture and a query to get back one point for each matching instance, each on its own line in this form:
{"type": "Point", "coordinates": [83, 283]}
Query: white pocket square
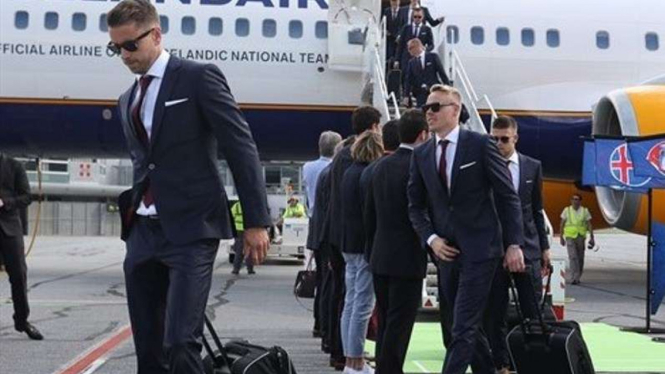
{"type": "Point", "coordinates": [175, 102]}
{"type": "Point", "coordinates": [529, 181]}
{"type": "Point", "coordinates": [470, 164]}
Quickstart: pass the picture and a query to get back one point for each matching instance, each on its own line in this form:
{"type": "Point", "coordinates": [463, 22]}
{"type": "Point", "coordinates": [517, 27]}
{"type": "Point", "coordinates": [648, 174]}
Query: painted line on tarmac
{"type": "Point", "coordinates": [87, 360]}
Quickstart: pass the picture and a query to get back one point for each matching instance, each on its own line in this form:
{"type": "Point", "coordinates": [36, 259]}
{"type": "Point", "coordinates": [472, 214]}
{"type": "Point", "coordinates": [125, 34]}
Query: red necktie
{"type": "Point", "coordinates": [442, 163]}
{"type": "Point", "coordinates": [144, 82]}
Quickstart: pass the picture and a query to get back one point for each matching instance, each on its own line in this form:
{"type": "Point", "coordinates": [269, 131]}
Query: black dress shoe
{"type": "Point", "coordinates": [251, 271]}
{"type": "Point", "coordinates": [31, 330]}
{"type": "Point", "coordinates": [316, 333]}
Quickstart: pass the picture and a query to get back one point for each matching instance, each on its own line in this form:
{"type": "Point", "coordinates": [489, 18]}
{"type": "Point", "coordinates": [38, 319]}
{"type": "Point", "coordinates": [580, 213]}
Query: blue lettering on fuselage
{"type": "Point", "coordinates": [302, 4]}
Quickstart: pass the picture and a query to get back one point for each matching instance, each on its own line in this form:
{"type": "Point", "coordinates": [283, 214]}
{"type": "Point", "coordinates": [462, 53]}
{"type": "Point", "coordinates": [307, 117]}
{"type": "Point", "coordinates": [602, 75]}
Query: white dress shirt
{"type": "Point", "coordinates": [148, 110]}
{"type": "Point", "coordinates": [514, 167]}
{"type": "Point", "coordinates": [422, 60]}
{"type": "Point", "coordinates": [453, 139]}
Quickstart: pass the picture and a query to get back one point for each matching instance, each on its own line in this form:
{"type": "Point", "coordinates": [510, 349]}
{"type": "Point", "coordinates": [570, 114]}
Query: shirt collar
{"type": "Point", "coordinates": [514, 158]}
{"type": "Point", "coordinates": [159, 66]}
{"type": "Point", "coordinates": [406, 146]}
{"type": "Point", "coordinates": [422, 55]}
{"type": "Point", "coordinates": [321, 158]}
{"type": "Point", "coordinates": [452, 136]}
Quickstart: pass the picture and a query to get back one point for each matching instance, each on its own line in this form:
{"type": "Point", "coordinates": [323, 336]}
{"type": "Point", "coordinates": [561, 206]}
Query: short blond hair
{"type": "Point", "coordinates": [446, 89]}
{"type": "Point", "coordinates": [367, 147]}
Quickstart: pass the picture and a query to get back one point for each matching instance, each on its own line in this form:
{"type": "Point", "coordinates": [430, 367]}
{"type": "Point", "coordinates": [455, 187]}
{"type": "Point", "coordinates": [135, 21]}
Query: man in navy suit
{"type": "Point", "coordinates": [398, 261]}
{"type": "Point", "coordinates": [394, 21]}
{"type": "Point", "coordinates": [465, 209]}
{"type": "Point", "coordinates": [406, 13]}
{"type": "Point", "coordinates": [415, 30]}
{"type": "Point", "coordinates": [424, 71]}
{"type": "Point", "coordinates": [527, 179]}
{"type": "Point", "coordinates": [176, 117]}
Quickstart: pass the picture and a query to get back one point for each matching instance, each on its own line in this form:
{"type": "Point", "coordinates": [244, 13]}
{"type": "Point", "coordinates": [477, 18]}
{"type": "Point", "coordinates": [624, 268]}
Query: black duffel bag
{"type": "Point", "coordinates": [241, 357]}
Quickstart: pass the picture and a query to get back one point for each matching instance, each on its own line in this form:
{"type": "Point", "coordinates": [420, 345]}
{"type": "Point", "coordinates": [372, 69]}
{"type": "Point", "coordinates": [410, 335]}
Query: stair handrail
{"type": "Point", "coordinates": [379, 76]}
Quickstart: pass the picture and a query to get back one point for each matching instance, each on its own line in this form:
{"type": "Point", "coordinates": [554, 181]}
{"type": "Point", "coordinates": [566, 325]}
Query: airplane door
{"type": "Point", "coordinates": [350, 22]}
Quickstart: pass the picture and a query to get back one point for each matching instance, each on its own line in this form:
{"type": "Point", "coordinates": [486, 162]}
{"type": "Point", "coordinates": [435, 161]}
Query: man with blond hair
{"type": "Point", "coordinates": [463, 205]}
{"type": "Point", "coordinates": [176, 117]}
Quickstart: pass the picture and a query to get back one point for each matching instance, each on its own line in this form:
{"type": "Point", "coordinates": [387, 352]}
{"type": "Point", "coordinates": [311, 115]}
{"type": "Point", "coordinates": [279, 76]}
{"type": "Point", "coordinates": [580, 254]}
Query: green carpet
{"type": "Point", "coordinates": [611, 350]}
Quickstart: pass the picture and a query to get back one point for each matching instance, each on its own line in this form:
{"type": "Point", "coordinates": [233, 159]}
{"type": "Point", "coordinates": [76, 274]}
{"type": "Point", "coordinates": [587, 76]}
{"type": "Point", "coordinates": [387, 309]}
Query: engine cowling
{"type": "Point", "coordinates": [635, 111]}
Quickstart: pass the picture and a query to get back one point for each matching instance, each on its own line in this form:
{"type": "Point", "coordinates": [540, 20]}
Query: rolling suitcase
{"type": "Point", "coordinates": [539, 347]}
{"type": "Point", "coordinates": [241, 357]}
{"type": "Point", "coordinates": [512, 317]}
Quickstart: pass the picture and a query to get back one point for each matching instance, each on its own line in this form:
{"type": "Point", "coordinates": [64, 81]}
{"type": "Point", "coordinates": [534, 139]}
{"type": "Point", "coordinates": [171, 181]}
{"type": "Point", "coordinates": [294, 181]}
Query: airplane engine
{"type": "Point", "coordinates": [630, 112]}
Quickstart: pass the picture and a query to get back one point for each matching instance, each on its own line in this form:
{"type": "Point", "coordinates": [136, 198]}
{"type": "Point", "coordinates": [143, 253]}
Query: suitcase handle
{"type": "Point", "coordinates": [222, 351]}
{"type": "Point", "coordinates": [539, 313]}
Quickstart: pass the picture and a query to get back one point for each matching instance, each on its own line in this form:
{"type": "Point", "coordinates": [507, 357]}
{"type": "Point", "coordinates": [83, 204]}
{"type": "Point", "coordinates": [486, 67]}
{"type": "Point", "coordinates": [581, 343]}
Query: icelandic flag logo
{"type": "Point", "coordinates": [623, 170]}
{"type": "Point", "coordinates": [656, 157]}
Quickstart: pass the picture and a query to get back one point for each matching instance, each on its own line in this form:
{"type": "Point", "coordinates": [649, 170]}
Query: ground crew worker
{"type": "Point", "coordinates": [575, 223]}
{"type": "Point", "coordinates": [294, 210]}
{"type": "Point", "coordinates": [236, 212]}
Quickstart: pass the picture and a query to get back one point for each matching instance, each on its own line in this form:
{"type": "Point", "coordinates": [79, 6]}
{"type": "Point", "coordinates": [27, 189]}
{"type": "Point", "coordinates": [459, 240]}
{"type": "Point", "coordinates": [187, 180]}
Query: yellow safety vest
{"type": "Point", "coordinates": [575, 223]}
{"type": "Point", "coordinates": [297, 211]}
{"type": "Point", "coordinates": [236, 211]}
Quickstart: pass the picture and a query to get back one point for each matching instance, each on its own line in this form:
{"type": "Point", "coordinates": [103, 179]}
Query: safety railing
{"type": "Point", "coordinates": [385, 101]}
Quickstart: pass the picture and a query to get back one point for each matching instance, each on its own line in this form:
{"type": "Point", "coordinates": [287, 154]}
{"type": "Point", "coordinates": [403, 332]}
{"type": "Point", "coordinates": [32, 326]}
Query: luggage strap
{"type": "Point", "coordinates": [223, 358]}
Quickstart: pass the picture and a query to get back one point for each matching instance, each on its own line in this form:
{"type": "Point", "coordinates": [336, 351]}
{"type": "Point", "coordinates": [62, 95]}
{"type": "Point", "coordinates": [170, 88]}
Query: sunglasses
{"type": "Point", "coordinates": [436, 107]}
{"type": "Point", "coordinates": [129, 46]}
{"type": "Point", "coordinates": [417, 17]}
{"type": "Point", "coordinates": [502, 139]}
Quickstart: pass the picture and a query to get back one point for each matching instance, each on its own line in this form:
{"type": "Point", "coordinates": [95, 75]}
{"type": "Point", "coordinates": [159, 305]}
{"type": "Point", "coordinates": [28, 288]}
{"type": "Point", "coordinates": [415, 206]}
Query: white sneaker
{"type": "Point", "coordinates": [367, 369]}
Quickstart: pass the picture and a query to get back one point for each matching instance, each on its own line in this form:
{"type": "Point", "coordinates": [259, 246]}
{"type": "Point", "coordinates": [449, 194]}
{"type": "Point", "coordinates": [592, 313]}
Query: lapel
{"type": "Point", "coordinates": [522, 184]}
{"type": "Point", "coordinates": [125, 103]}
{"type": "Point", "coordinates": [430, 165]}
{"type": "Point", "coordinates": [460, 152]}
{"type": "Point", "coordinates": [168, 82]}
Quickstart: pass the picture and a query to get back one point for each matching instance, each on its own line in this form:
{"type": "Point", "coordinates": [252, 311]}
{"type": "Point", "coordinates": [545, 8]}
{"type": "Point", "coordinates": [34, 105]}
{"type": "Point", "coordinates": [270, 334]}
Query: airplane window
{"type": "Point", "coordinates": [528, 37]}
{"type": "Point", "coordinates": [215, 26]}
{"type": "Point", "coordinates": [452, 34]}
{"type": "Point", "coordinates": [79, 21]}
{"type": "Point", "coordinates": [651, 40]}
{"type": "Point", "coordinates": [103, 26]}
{"type": "Point", "coordinates": [164, 23]}
{"type": "Point", "coordinates": [188, 25]}
{"type": "Point", "coordinates": [51, 20]}
{"type": "Point", "coordinates": [242, 27]}
{"type": "Point", "coordinates": [602, 39]}
{"type": "Point", "coordinates": [269, 28]}
{"type": "Point", "coordinates": [21, 19]}
{"type": "Point", "coordinates": [295, 29]}
{"type": "Point", "coordinates": [321, 29]}
{"type": "Point", "coordinates": [502, 36]}
{"type": "Point", "coordinates": [477, 35]}
{"type": "Point", "coordinates": [553, 39]}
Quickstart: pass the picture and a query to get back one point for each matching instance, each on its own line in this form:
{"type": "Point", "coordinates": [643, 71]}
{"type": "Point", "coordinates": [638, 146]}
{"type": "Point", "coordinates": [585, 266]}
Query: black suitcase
{"type": "Point", "coordinates": [241, 357]}
{"type": "Point", "coordinates": [512, 317]}
{"type": "Point", "coordinates": [539, 347]}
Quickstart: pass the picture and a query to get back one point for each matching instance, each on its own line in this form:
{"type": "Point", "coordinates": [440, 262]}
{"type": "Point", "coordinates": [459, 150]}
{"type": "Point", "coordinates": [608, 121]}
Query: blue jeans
{"type": "Point", "coordinates": [358, 304]}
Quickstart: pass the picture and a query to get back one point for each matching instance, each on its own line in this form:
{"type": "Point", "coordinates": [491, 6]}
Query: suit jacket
{"type": "Point", "coordinates": [417, 76]}
{"type": "Point", "coordinates": [425, 36]}
{"type": "Point", "coordinates": [428, 19]}
{"type": "Point", "coordinates": [353, 235]}
{"type": "Point", "coordinates": [181, 159]}
{"type": "Point", "coordinates": [316, 235]}
{"type": "Point", "coordinates": [396, 250]}
{"type": "Point", "coordinates": [531, 198]}
{"type": "Point", "coordinates": [393, 26]}
{"type": "Point", "coordinates": [15, 195]}
{"type": "Point", "coordinates": [481, 215]}
{"type": "Point", "coordinates": [341, 162]}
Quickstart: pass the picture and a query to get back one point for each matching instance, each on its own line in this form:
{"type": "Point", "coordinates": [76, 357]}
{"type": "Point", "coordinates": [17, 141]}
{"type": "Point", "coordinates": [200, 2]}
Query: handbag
{"type": "Point", "coordinates": [305, 282]}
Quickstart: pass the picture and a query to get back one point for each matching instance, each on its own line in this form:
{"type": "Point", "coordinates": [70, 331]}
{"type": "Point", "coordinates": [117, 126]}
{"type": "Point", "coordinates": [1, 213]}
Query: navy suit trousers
{"type": "Point", "coordinates": [466, 287]}
{"type": "Point", "coordinates": [167, 292]}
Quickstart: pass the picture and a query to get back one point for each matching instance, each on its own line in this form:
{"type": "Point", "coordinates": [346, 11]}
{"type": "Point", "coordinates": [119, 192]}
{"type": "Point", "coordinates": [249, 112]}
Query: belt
{"type": "Point", "coordinates": [153, 217]}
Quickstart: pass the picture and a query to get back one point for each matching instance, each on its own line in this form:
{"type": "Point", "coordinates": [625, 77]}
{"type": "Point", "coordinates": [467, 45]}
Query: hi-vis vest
{"type": "Point", "coordinates": [575, 223]}
{"type": "Point", "coordinates": [236, 212]}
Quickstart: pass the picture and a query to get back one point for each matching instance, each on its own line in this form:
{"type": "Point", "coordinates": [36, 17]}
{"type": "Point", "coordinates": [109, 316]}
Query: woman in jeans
{"type": "Point", "coordinates": [359, 299]}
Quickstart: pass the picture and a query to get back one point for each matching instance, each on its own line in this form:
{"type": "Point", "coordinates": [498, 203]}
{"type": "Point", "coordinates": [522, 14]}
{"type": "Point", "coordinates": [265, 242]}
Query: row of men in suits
{"type": "Point", "coordinates": [475, 206]}
{"type": "Point", "coordinates": [398, 17]}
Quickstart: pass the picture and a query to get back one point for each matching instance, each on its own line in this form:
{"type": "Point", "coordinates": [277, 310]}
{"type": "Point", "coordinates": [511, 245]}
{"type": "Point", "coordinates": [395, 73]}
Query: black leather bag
{"type": "Point", "coordinates": [305, 282]}
{"type": "Point", "coordinates": [241, 357]}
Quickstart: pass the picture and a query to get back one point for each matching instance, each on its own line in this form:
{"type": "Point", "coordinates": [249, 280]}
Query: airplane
{"type": "Point", "coordinates": [546, 63]}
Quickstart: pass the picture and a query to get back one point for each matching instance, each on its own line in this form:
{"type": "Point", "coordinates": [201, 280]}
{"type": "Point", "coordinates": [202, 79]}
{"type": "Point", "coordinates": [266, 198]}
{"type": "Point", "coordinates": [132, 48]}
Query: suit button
{"type": "Point", "coordinates": [151, 166]}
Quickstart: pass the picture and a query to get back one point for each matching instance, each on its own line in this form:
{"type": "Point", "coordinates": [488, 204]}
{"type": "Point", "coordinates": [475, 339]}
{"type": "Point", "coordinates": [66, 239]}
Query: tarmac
{"type": "Point", "coordinates": [77, 299]}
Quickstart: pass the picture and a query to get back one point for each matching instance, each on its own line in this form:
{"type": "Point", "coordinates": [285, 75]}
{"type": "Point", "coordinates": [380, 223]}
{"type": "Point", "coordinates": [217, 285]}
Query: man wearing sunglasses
{"type": "Point", "coordinates": [527, 179]}
{"type": "Point", "coordinates": [177, 116]}
{"type": "Point", "coordinates": [463, 205]}
{"type": "Point", "coordinates": [406, 13]}
{"type": "Point", "coordinates": [415, 30]}
{"type": "Point", "coordinates": [424, 71]}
